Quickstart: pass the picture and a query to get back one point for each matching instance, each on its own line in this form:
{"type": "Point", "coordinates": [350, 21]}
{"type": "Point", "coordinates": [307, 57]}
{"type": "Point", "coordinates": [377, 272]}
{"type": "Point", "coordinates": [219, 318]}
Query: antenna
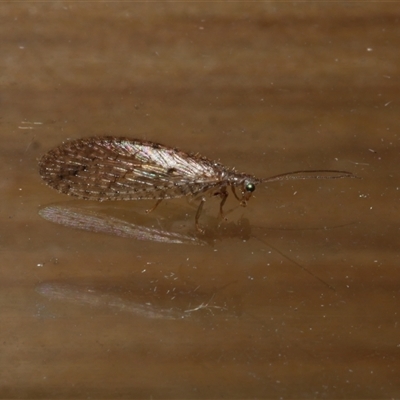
{"type": "Point", "coordinates": [310, 174]}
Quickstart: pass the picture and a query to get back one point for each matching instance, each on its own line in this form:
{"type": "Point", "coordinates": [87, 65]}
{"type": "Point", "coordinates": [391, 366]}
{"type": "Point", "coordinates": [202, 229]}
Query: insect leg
{"type": "Point", "coordinates": [155, 206]}
{"type": "Point", "coordinates": [224, 195]}
{"type": "Point", "coordinates": [234, 192]}
{"type": "Point", "coordinates": [198, 213]}
{"type": "Point", "coordinates": [243, 200]}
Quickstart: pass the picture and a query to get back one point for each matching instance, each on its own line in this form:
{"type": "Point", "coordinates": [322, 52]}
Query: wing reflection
{"type": "Point", "coordinates": [99, 222]}
{"type": "Point", "coordinates": [141, 227]}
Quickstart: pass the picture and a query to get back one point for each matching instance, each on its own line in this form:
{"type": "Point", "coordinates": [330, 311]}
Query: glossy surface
{"type": "Point", "coordinates": [267, 88]}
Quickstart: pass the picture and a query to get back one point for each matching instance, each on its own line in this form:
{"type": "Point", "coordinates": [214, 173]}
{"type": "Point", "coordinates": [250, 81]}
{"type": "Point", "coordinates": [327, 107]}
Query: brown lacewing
{"type": "Point", "coordinates": [118, 168]}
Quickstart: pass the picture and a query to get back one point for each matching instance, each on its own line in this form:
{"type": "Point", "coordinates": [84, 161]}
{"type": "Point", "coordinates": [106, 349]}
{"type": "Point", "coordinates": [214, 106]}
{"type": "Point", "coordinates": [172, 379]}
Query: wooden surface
{"type": "Point", "coordinates": [266, 87]}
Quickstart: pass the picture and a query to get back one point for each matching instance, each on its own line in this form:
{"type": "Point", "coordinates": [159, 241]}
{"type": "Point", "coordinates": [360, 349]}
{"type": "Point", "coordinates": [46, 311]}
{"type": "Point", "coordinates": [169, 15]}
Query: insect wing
{"type": "Point", "coordinates": [109, 168]}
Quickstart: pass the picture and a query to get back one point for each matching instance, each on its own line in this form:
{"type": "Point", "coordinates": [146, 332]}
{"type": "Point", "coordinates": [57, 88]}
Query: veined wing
{"type": "Point", "coordinates": [109, 168]}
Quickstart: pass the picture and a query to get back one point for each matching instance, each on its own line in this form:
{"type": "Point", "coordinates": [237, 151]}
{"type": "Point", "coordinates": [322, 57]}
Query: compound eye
{"type": "Point", "coordinates": [250, 187]}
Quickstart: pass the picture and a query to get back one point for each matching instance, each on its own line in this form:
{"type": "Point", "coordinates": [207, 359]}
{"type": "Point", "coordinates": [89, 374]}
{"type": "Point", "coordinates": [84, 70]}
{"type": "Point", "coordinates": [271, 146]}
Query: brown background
{"type": "Point", "coordinates": [266, 87]}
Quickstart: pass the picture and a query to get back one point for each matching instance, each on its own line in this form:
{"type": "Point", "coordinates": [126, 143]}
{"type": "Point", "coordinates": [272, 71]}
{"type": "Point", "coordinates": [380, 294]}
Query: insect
{"type": "Point", "coordinates": [119, 168]}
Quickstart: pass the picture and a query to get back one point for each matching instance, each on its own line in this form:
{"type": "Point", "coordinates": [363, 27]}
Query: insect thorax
{"type": "Point", "coordinates": [244, 182]}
